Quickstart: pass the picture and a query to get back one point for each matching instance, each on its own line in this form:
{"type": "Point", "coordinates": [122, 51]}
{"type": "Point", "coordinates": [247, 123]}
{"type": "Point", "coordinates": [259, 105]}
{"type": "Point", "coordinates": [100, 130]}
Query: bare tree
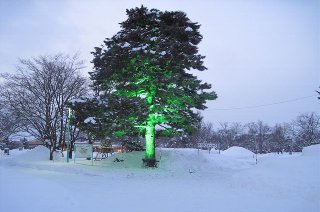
{"type": "Point", "coordinates": [236, 132]}
{"type": "Point", "coordinates": [8, 123]}
{"type": "Point", "coordinates": [263, 131]}
{"type": "Point", "coordinates": [258, 132]}
{"type": "Point", "coordinates": [278, 140]}
{"type": "Point", "coordinates": [288, 132]}
{"type": "Point", "coordinates": [223, 136]}
{"type": "Point", "coordinates": [252, 134]}
{"type": "Point", "coordinates": [307, 129]}
{"type": "Point", "coordinates": [38, 94]}
{"type": "Point", "coordinates": [203, 133]}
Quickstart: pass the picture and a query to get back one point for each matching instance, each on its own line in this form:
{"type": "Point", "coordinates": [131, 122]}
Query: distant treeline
{"type": "Point", "coordinates": [255, 136]}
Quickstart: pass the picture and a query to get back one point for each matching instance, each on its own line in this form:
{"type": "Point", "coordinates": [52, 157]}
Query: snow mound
{"type": "Point", "coordinates": [188, 160]}
{"type": "Point", "coordinates": [313, 150]}
{"type": "Point", "coordinates": [36, 154]}
{"type": "Point", "coordinates": [236, 151]}
{"type": "Point", "coordinates": [39, 150]}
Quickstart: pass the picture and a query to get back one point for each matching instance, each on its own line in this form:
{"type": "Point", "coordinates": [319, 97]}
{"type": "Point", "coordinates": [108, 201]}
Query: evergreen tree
{"type": "Point", "coordinates": [144, 74]}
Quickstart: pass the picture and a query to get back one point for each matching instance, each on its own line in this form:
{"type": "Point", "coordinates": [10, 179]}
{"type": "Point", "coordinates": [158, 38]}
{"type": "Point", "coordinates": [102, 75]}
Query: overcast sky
{"type": "Point", "coordinates": [257, 52]}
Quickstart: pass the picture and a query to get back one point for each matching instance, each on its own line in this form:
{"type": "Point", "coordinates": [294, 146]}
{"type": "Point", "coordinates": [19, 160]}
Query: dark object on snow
{"type": "Point", "coordinates": [191, 171]}
{"type": "Point", "coordinates": [118, 160]}
{"type": "Point", "coordinates": [150, 163]}
{"type": "Point", "coordinates": [6, 151]}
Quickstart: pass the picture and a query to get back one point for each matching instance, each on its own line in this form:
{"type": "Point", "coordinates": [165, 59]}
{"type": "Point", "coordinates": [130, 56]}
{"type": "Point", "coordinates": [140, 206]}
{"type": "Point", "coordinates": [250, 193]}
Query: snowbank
{"type": "Point", "coordinates": [313, 150]}
{"type": "Point", "coordinates": [238, 152]}
{"type": "Point", "coordinates": [276, 183]}
{"type": "Point", "coordinates": [36, 154]}
{"type": "Point", "coordinates": [39, 153]}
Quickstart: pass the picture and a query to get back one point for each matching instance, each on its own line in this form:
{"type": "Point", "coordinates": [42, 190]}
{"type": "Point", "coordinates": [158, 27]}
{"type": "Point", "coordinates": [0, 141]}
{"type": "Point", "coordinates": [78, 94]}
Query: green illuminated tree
{"type": "Point", "coordinates": [144, 73]}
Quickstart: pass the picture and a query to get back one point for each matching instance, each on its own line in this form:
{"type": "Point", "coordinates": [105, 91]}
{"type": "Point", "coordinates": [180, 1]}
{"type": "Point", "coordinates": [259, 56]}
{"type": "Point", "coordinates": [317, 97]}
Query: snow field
{"type": "Point", "coordinates": [186, 180]}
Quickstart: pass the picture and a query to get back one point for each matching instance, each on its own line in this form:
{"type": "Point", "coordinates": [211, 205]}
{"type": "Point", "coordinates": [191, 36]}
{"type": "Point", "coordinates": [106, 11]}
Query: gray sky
{"type": "Point", "coordinates": [257, 52]}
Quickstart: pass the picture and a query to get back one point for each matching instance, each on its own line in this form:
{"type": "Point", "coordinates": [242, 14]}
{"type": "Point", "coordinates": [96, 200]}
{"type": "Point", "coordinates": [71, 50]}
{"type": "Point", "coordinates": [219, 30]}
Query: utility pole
{"type": "Point", "coordinates": [68, 136]}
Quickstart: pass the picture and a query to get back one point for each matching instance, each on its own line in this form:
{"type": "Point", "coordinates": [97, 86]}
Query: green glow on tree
{"type": "Point", "coordinates": [150, 146]}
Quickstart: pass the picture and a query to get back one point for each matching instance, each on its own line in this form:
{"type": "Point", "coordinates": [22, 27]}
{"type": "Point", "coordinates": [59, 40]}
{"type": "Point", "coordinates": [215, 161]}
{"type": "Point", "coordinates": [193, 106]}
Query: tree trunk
{"type": "Point", "coordinates": [150, 147]}
{"type": "Point", "coordinates": [70, 151]}
{"type": "Point", "coordinates": [150, 159]}
{"type": "Point", "coordinates": [51, 153]}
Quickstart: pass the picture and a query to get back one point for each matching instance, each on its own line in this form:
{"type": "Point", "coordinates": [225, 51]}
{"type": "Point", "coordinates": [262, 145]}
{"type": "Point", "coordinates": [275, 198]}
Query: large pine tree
{"type": "Point", "coordinates": [144, 75]}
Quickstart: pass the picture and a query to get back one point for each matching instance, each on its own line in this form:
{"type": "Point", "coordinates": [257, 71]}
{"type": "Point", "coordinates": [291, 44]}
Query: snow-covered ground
{"type": "Point", "coordinates": [186, 180]}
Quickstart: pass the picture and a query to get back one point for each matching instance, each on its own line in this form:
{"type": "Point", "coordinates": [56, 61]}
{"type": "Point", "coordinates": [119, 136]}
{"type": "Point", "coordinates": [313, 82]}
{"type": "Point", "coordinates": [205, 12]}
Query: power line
{"type": "Point", "coordinates": [265, 105]}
